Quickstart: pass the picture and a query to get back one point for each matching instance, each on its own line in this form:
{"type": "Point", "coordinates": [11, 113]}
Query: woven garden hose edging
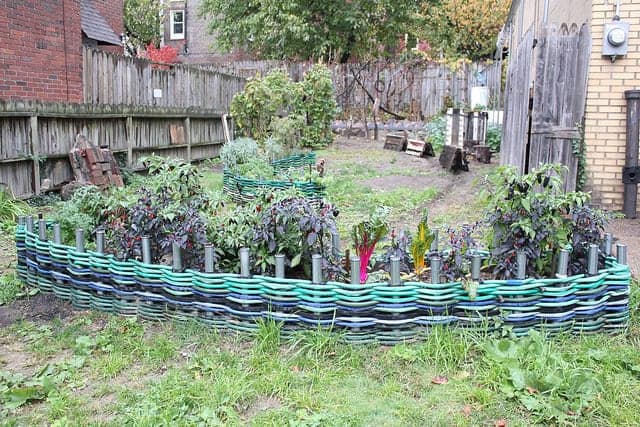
{"type": "Point", "coordinates": [363, 313]}
{"type": "Point", "coordinates": [242, 189]}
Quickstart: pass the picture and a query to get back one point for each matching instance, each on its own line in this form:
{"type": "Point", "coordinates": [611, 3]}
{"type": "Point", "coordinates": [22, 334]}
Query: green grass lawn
{"type": "Point", "coordinates": [103, 370]}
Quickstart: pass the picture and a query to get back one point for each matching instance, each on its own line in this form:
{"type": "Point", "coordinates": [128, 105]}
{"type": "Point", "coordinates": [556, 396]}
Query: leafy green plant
{"type": "Point", "coordinates": [12, 288]}
{"type": "Point", "coordinates": [544, 381]}
{"type": "Point", "coordinates": [182, 180]}
{"type": "Point", "coordinates": [10, 208]}
{"type": "Point", "coordinates": [318, 107]}
{"type": "Point", "coordinates": [494, 137]}
{"type": "Point", "coordinates": [435, 132]}
{"type": "Point", "coordinates": [587, 228]}
{"type": "Point", "coordinates": [84, 210]}
{"type": "Point", "coordinates": [238, 151]}
{"type": "Point", "coordinates": [529, 213]}
{"type": "Point", "coordinates": [366, 236]}
{"type": "Point", "coordinates": [455, 258]}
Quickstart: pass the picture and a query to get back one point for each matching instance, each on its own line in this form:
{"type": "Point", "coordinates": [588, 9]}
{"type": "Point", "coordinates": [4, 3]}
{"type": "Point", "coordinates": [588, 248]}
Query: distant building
{"type": "Point", "coordinates": [41, 58]}
{"type": "Point", "coordinates": [185, 30]}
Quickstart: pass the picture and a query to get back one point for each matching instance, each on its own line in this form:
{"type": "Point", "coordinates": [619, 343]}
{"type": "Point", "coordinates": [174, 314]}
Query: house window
{"type": "Point", "coordinates": [177, 24]}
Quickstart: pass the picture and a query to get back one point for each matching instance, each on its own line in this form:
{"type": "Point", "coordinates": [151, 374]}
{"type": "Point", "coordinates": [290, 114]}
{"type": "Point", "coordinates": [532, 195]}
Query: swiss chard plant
{"type": "Point", "coordinates": [366, 236]}
{"type": "Point", "coordinates": [421, 243]}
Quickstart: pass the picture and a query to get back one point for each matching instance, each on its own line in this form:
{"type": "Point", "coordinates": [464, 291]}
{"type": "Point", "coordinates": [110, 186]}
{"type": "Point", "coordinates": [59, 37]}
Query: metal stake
{"type": "Point", "coordinates": [280, 259]}
{"type": "Point", "coordinates": [208, 258]}
{"type": "Point", "coordinates": [57, 234]}
{"type": "Point", "coordinates": [355, 270]}
{"type": "Point", "coordinates": [316, 269]}
{"type": "Point", "coordinates": [436, 264]}
{"type": "Point", "coordinates": [434, 244]}
{"type": "Point", "coordinates": [146, 249]}
{"type": "Point", "coordinates": [29, 224]}
{"type": "Point", "coordinates": [521, 259]}
{"type": "Point", "coordinates": [621, 253]}
{"type": "Point", "coordinates": [42, 230]}
{"type": "Point", "coordinates": [79, 240]}
{"type": "Point", "coordinates": [476, 262]}
{"type": "Point", "coordinates": [176, 251]}
{"type": "Point", "coordinates": [245, 271]}
{"type": "Point", "coordinates": [563, 263]}
{"type": "Point", "coordinates": [100, 241]}
{"type": "Point", "coordinates": [607, 243]}
{"type": "Point", "coordinates": [21, 219]}
{"type": "Point", "coordinates": [592, 262]}
{"type": "Point", "coordinates": [395, 271]}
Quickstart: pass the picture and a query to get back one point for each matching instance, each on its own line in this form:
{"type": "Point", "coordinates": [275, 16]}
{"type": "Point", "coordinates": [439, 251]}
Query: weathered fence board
{"type": "Point", "coordinates": [132, 131]}
{"type": "Point", "coordinates": [416, 90]}
{"type": "Point", "coordinates": [114, 79]}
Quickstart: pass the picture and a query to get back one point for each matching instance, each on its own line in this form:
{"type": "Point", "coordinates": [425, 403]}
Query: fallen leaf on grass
{"type": "Point", "coordinates": [500, 423]}
{"type": "Point", "coordinates": [466, 410]}
{"type": "Point", "coordinates": [531, 390]}
{"type": "Point", "coordinates": [295, 369]}
{"type": "Point", "coordinates": [439, 380]}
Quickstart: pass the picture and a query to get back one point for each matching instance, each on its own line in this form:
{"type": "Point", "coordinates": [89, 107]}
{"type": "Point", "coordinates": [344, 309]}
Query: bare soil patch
{"type": "Point", "coordinates": [627, 231]}
{"type": "Point", "coordinates": [39, 308]}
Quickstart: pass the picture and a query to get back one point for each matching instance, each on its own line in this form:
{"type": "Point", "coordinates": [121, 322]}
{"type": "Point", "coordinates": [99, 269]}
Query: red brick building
{"type": "Point", "coordinates": [41, 53]}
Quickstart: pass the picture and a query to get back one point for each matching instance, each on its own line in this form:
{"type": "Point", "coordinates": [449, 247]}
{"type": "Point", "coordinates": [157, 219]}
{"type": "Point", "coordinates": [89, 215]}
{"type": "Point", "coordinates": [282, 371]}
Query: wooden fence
{"type": "Point", "coordinates": [117, 80]}
{"type": "Point", "coordinates": [546, 132]}
{"type": "Point", "coordinates": [416, 90]}
{"type": "Point", "coordinates": [35, 138]}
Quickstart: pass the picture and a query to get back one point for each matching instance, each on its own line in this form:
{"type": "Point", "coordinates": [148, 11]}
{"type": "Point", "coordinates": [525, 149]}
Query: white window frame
{"type": "Point", "coordinates": [172, 34]}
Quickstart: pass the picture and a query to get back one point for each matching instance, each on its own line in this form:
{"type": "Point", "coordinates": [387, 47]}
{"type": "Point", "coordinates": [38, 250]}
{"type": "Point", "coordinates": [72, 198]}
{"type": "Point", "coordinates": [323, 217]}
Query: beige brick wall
{"type": "Point", "coordinates": [605, 117]}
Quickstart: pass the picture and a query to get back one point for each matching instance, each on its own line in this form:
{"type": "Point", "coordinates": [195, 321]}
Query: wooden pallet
{"type": "Point", "coordinates": [395, 142]}
{"type": "Point", "coordinates": [420, 148]}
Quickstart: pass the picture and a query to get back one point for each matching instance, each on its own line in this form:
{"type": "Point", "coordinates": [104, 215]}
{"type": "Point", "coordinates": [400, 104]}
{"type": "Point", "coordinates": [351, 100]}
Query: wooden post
{"type": "Point", "coordinates": [129, 132]}
{"type": "Point", "coordinates": [35, 153]}
{"type": "Point", "coordinates": [187, 137]}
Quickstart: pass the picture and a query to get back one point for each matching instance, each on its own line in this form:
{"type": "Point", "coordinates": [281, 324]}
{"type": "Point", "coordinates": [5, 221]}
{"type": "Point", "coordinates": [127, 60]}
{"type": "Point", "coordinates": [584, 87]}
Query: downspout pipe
{"type": "Point", "coordinates": [631, 172]}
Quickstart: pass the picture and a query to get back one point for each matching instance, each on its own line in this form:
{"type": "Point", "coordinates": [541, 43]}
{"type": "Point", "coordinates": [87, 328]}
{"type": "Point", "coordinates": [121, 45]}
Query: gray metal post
{"type": "Point", "coordinates": [355, 270]}
{"type": "Point", "coordinates": [434, 244]}
{"type": "Point", "coordinates": [42, 229]}
{"type": "Point", "coordinates": [592, 262]}
{"type": "Point", "coordinates": [631, 173]}
{"type": "Point", "coordinates": [146, 249]}
{"type": "Point", "coordinates": [621, 253]}
{"type": "Point", "coordinates": [245, 270]}
{"type": "Point", "coordinates": [436, 264]}
{"type": "Point", "coordinates": [79, 240]}
{"type": "Point", "coordinates": [607, 243]}
{"type": "Point", "coordinates": [100, 241]}
{"type": "Point", "coordinates": [280, 259]}
{"type": "Point", "coordinates": [335, 245]}
{"type": "Point", "coordinates": [316, 269]}
{"type": "Point", "coordinates": [521, 259]}
{"type": "Point", "coordinates": [21, 219]}
{"type": "Point", "coordinates": [29, 224]}
{"type": "Point", "coordinates": [395, 271]}
{"type": "Point", "coordinates": [208, 258]}
{"type": "Point", "coordinates": [563, 263]}
{"type": "Point", "coordinates": [57, 234]}
{"type": "Point", "coordinates": [476, 263]}
{"type": "Point", "coordinates": [176, 251]}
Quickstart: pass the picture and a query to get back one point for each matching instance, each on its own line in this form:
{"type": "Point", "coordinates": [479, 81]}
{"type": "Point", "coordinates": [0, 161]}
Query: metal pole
{"type": "Point", "coordinates": [100, 241]}
{"type": "Point", "coordinates": [521, 259]}
{"type": "Point", "coordinates": [21, 219]}
{"type": "Point", "coordinates": [621, 254]}
{"type": "Point", "coordinates": [436, 263]}
{"type": "Point", "coordinates": [592, 262]}
{"type": "Point", "coordinates": [245, 271]}
{"type": "Point", "coordinates": [79, 240]}
{"type": "Point", "coordinates": [57, 234]}
{"type": "Point", "coordinates": [176, 251]}
{"type": "Point", "coordinates": [434, 244]}
{"type": "Point", "coordinates": [395, 271]}
{"type": "Point", "coordinates": [355, 270]}
{"type": "Point", "coordinates": [280, 258]}
{"type": "Point", "coordinates": [631, 173]}
{"type": "Point", "coordinates": [476, 262]}
{"type": "Point", "coordinates": [42, 229]}
{"type": "Point", "coordinates": [606, 244]}
{"type": "Point", "coordinates": [208, 258]}
{"type": "Point", "coordinates": [146, 249]}
{"type": "Point", "coordinates": [29, 224]}
{"type": "Point", "coordinates": [563, 263]}
{"type": "Point", "coordinates": [335, 245]}
{"type": "Point", "coordinates": [316, 269]}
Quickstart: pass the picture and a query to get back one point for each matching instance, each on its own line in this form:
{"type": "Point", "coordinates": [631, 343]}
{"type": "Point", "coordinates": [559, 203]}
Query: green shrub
{"type": "Point", "coordinates": [10, 208]}
{"type": "Point", "coordinates": [238, 152]}
{"type": "Point", "coordinates": [494, 137]}
{"type": "Point", "coordinates": [318, 106]}
{"type": "Point", "coordinates": [435, 132]}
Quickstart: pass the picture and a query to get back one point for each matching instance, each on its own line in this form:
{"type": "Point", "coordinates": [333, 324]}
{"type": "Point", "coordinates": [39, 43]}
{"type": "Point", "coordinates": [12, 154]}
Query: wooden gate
{"type": "Point", "coordinates": [546, 132]}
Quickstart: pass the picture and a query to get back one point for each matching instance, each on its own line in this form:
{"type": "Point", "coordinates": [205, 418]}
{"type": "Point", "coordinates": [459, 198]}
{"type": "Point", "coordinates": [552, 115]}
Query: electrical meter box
{"type": "Point", "coordinates": [615, 41]}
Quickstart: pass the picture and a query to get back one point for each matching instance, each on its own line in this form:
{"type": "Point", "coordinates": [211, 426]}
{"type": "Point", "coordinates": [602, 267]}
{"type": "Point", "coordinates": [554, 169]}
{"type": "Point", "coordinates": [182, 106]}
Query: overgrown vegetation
{"type": "Point", "coordinates": [10, 209]}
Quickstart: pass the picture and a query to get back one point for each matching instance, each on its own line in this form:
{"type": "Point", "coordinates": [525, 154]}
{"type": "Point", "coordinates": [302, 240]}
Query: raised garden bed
{"type": "Point", "coordinates": [366, 313]}
{"type": "Point", "coordinates": [242, 189]}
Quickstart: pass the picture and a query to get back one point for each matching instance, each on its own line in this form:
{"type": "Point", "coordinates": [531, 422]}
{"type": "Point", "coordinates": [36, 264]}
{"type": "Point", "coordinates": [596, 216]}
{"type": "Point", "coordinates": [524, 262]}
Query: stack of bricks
{"type": "Point", "coordinates": [95, 166]}
{"type": "Point", "coordinates": [605, 117]}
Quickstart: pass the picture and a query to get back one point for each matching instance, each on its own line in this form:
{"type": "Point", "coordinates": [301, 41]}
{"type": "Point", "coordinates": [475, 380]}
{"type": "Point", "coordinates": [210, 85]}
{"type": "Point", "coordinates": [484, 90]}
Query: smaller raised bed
{"type": "Point", "coordinates": [242, 189]}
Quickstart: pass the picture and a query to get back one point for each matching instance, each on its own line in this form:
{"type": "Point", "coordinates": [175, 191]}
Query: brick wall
{"type": "Point", "coordinates": [35, 63]}
{"type": "Point", "coordinates": [605, 117]}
